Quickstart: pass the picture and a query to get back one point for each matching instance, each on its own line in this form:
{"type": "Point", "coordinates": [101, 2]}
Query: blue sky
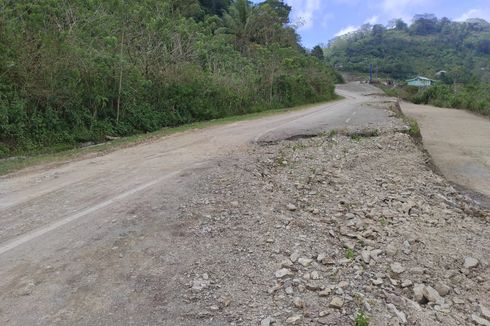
{"type": "Point", "coordinates": [321, 20]}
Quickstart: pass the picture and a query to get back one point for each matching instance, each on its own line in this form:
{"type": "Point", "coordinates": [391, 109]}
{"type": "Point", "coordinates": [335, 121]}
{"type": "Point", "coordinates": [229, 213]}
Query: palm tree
{"type": "Point", "coordinates": [238, 22]}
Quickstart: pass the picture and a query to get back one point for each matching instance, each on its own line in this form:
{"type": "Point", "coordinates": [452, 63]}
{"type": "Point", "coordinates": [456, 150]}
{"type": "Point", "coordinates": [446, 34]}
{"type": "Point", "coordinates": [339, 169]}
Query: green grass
{"type": "Point", "coordinates": [362, 319]}
{"type": "Point", "coordinates": [61, 154]}
{"type": "Point", "coordinates": [414, 130]}
{"type": "Point", "coordinates": [350, 254]}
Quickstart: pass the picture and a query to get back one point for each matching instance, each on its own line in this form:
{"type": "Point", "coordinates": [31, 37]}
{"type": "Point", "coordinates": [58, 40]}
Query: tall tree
{"type": "Point", "coordinates": [318, 52]}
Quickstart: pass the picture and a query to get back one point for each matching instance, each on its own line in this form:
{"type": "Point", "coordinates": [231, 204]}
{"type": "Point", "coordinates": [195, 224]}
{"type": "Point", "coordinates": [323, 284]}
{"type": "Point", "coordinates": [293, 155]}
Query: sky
{"type": "Point", "coordinates": [319, 21]}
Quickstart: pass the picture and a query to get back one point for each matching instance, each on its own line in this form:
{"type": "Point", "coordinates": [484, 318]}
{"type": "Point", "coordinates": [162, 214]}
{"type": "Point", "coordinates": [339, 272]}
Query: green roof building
{"type": "Point", "coordinates": [420, 82]}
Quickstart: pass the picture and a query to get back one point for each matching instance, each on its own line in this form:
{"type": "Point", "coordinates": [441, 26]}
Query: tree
{"type": "Point", "coordinates": [215, 7]}
{"type": "Point", "coordinates": [318, 52]}
{"type": "Point", "coordinates": [424, 24]}
{"type": "Point", "coordinates": [400, 25]}
{"type": "Point", "coordinates": [378, 31]}
{"type": "Point", "coordinates": [280, 8]}
{"type": "Point", "coordinates": [237, 21]}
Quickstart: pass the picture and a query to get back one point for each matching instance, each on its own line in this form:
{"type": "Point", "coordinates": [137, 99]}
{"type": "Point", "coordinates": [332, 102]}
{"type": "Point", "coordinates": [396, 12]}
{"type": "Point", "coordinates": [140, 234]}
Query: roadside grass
{"type": "Point", "coordinates": [414, 130]}
{"type": "Point", "coordinates": [362, 319]}
{"type": "Point", "coordinates": [61, 154]}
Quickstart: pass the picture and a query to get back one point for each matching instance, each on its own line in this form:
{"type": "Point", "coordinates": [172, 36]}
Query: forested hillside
{"type": "Point", "coordinates": [457, 54]}
{"type": "Point", "coordinates": [427, 46]}
{"type": "Point", "coordinates": [77, 71]}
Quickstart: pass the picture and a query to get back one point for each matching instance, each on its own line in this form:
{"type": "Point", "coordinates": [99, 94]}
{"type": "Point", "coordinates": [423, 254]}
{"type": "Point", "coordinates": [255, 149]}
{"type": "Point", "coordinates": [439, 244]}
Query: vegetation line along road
{"type": "Point", "coordinates": [76, 72]}
{"type": "Point", "coordinates": [8, 165]}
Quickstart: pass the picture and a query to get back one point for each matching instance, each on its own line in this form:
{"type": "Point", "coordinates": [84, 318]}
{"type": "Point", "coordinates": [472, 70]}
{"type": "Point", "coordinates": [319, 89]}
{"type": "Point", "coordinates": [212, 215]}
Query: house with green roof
{"type": "Point", "coordinates": [420, 81]}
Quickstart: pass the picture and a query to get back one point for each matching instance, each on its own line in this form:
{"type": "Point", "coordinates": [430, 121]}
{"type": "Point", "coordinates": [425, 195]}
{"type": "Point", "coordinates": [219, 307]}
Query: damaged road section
{"type": "Point", "coordinates": [334, 229]}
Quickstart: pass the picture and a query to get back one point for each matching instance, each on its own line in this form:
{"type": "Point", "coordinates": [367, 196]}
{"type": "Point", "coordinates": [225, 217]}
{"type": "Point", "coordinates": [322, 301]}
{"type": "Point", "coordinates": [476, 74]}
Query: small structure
{"type": "Point", "coordinates": [420, 81]}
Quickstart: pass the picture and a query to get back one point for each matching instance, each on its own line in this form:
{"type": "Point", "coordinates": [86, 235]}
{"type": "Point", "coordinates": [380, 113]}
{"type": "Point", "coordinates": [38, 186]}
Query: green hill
{"type": "Point", "coordinates": [427, 46]}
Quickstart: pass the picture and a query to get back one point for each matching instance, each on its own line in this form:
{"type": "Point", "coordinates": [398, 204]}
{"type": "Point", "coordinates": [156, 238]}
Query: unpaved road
{"type": "Point", "coordinates": [80, 243]}
{"type": "Point", "coordinates": [459, 143]}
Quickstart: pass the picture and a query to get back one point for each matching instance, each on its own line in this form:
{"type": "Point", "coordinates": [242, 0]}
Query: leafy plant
{"type": "Point", "coordinates": [362, 319]}
{"type": "Point", "coordinates": [350, 254]}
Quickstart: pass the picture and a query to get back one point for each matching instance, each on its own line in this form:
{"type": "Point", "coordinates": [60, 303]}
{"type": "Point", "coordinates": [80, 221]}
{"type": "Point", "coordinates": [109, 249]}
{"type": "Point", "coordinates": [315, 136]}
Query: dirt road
{"type": "Point", "coordinates": [66, 232]}
{"type": "Point", "coordinates": [459, 143]}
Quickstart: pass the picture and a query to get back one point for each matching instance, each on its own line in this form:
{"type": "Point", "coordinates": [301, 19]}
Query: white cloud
{"type": "Point", "coordinates": [400, 8]}
{"type": "Point", "coordinates": [373, 20]}
{"type": "Point", "coordinates": [305, 11]}
{"type": "Point", "coordinates": [347, 30]}
{"type": "Point", "coordinates": [475, 13]}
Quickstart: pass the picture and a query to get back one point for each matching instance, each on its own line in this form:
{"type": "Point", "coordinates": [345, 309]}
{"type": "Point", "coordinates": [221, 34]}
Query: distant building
{"type": "Point", "coordinates": [420, 82]}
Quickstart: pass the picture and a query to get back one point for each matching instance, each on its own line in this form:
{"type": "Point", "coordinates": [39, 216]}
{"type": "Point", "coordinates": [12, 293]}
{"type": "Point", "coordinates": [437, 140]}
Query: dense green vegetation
{"type": "Point", "coordinates": [473, 96]}
{"type": "Point", "coordinates": [455, 53]}
{"type": "Point", "coordinates": [424, 48]}
{"type": "Point", "coordinates": [78, 71]}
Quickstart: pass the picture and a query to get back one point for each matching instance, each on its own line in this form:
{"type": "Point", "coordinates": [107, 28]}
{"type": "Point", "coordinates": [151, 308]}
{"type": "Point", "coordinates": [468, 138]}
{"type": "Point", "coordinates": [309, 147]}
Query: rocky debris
{"type": "Point", "coordinates": [299, 303]}
{"type": "Point", "coordinates": [442, 289]}
{"type": "Point", "coordinates": [364, 232]}
{"type": "Point", "coordinates": [336, 303]}
{"type": "Point", "coordinates": [283, 272]}
{"type": "Point", "coordinates": [431, 294]}
{"type": "Point", "coordinates": [200, 284]}
{"type": "Point", "coordinates": [397, 268]}
{"type": "Point", "coordinates": [305, 262]}
{"type": "Point", "coordinates": [484, 312]}
{"type": "Point", "coordinates": [406, 283]}
{"type": "Point", "coordinates": [479, 321]}
{"type": "Point", "coordinates": [402, 318]}
{"type": "Point", "coordinates": [267, 321]}
{"type": "Point", "coordinates": [294, 320]}
{"type": "Point", "coordinates": [470, 262]}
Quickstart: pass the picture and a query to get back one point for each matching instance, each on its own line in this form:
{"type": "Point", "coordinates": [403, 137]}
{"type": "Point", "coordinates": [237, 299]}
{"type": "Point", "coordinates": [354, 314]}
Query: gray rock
{"type": "Point", "coordinates": [321, 257]}
{"type": "Point", "coordinates": [299, 303]}
{"type": "Point", "coordinates": [336, 303]}
{"type": "Point", "coordinates": [286, 263]}
{"type": "Point", "coordinates": [325, 293]}
{"type": "Point", "coordinates": [283, 272]}
{"type": "Point", "coordinates": [431, 294]}
{"type": "Point", "coordinates": [397, 268]}
{"type": "Point", "coordinates": [402, 318]}
{"type": "Point", "coordinates": [406, 283]}
{"type": "Point", "coordinates": [294, 256]}
{"type": "Point", "coordinates": [442, 289]}
{"type": "Point", "coordinates": [479, 321]}
{"type": "Point", "coordinates": [267, 321]}
{"type": "Point", "coordinates": [391, 250]}
{"type": "Point", "coordinates": [305, 262]}
{"type": "Point", "coordinates": [418, 293]}
{"type": "Point", "coordinates": [366, 256]}
{"type": "Point", "coordinates": [484, 312]}
{"type": "Point", "coordinates": [291, 207]}
{"type": "Point", "coordinates": [377, 281]}
{"type": "Point", "coordinates": [470, 262]}
{"type": "Point", "coordinates": [294, 320]}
